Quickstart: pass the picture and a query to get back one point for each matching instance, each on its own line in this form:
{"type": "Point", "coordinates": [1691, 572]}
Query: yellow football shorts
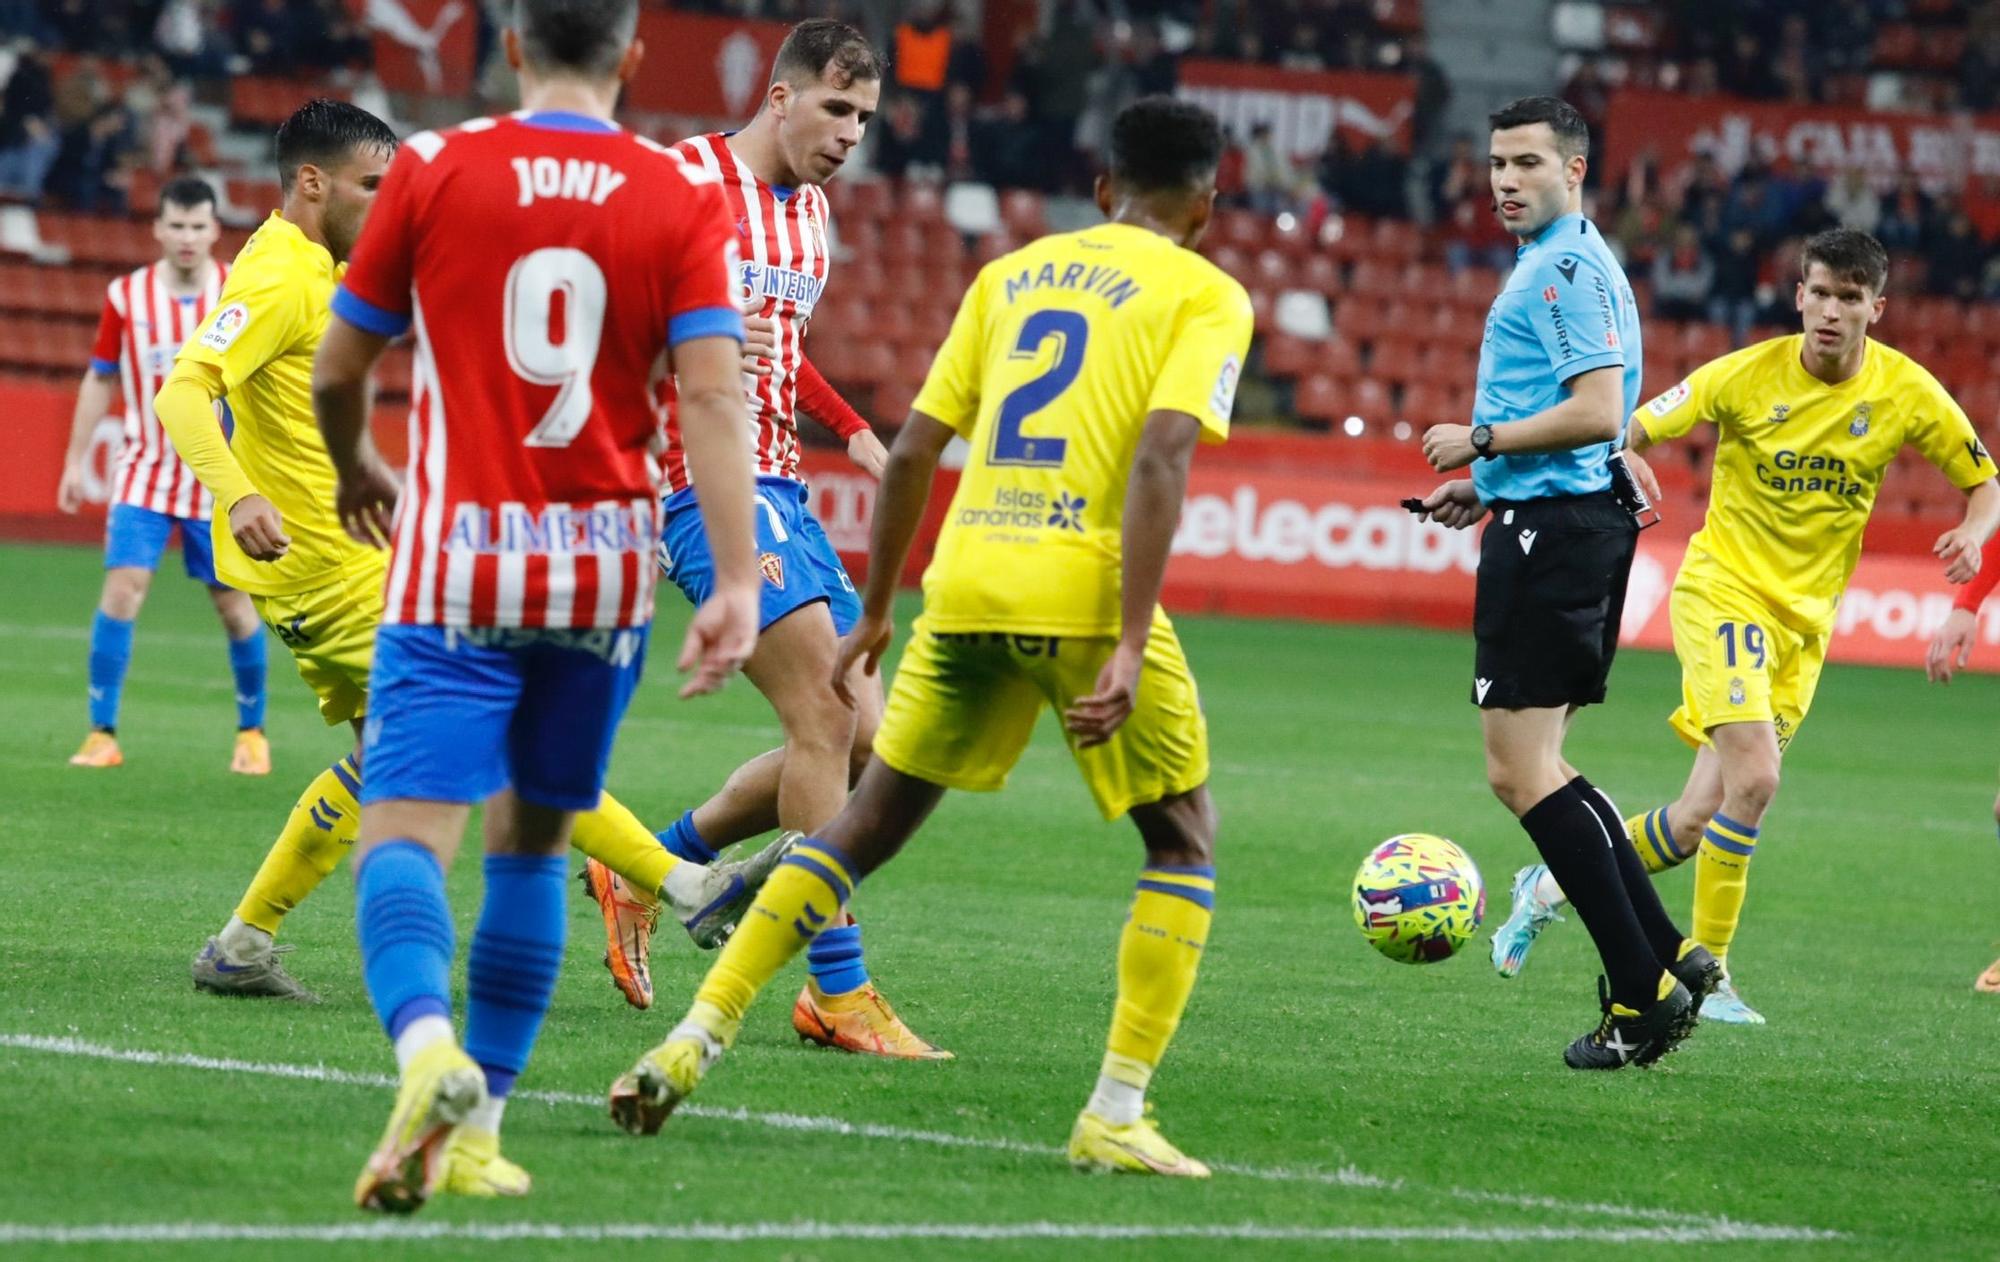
{"type": "Point", "coordinates": [963, 706]}
{"type": "Point", "coordinates": [331, 633]}
{"type": "Point", "coordinates": [1739, 662]}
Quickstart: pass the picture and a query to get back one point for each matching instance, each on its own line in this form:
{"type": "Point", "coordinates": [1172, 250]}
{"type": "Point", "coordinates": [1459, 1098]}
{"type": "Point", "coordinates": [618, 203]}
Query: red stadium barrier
{"type": "Point", "coordinates": [1276, 525]}
{"type": "Point", "coordinates": [1303, 106]}
{"type": "Point", "coordinates": [710, 67]}
{"type": "Point", "coordinates": [1942, 151]}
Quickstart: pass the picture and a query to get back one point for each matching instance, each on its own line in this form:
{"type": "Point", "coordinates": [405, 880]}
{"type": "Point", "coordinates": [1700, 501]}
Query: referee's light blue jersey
{"type": "Point", "coordinates": [1566, 309]}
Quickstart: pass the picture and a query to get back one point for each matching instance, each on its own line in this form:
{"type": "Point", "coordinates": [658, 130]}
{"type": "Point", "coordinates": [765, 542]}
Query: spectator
{"type": "Point", "coordinates": [1004, 152]}
{"type": "Point", "coordinates": [29, 141]}
{"type": "Point", "coordinates": [185, 34]}
{"type": "Point", "coordinates": [1904, 213]}
{"type": "Point", "coordinates": [1302, 48]}
{"type": "Point", "coordinates": [96, 133]}
{"type": "Point", "coordinates": [1853, 202]}
{"type": "Point", "coordinates": [960, 130]}
{"type": "Point", "coordinates": [1733, 291]}
{"type": "Point", "coordinates": [921, 66]}
{"type": "Point", "coordinates": [271, 34]}
{"type": "Point", "coordinates": [1270, 178]}
{"type": "Point", "coordinates": [1954, 257]}
{"type": "Point", "coordinates": [1433, 94]}
{"type": "Point", "coordinates": [900, 141]}
{"type": "Point", "coordinates": [1682, 277]}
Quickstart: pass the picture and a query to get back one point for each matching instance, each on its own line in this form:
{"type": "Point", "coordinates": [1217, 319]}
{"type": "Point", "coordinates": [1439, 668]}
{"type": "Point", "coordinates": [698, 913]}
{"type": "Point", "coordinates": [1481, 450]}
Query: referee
{"type": "Point", "coordinates": [1558, 376]}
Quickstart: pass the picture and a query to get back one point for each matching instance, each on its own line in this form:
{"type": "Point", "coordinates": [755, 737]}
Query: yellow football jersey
{"type": "Point", "coordinates": [1057, 354]}
{"type": "Point", "coordinates": [261, 336]}
{"type": "Point", "coordinates": [1798, 464]}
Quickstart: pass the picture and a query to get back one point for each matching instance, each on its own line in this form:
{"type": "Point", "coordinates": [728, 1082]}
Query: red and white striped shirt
{"type": "Point", "coordinates": [140, 332]}
{"type": "Point", "coordinates": [785, 259]}
{"type": "Point", "coordinates": [548, 262]}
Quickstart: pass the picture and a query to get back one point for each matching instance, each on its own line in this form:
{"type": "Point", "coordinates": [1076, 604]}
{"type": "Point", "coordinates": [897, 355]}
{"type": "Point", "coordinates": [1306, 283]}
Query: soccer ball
{"type": "Point", "coordinates": [1418, 898]}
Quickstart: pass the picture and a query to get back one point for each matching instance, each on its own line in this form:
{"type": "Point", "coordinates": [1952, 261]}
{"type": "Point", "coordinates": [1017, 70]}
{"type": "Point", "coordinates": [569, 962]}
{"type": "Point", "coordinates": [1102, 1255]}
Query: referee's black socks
{"type": "Point", "coordinates": [1571, 837]}
{"type": "Point", "coordinates": [1661, 932]}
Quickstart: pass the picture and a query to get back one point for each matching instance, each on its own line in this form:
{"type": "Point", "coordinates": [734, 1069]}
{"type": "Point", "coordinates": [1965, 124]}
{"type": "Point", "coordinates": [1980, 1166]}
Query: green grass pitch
{"type": "Point", "coordinates": [1356, 1104]}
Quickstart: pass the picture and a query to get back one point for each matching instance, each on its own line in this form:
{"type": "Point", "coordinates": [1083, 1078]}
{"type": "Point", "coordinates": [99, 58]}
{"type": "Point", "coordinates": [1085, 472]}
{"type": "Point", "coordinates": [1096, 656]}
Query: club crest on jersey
{"type": "Point", "coordinates": [225, 326]}
{"type": "Point", "coordinates": [1736, 692]}
{"type": "Point", "coordinates": [773, 566]}
{"type": "Point", "coordinates": [1859, 425]}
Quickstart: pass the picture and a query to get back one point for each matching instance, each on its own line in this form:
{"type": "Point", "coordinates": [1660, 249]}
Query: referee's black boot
{"type": "Point", "coordinates": [1699, 971]}
{"type": "Point", "coordinates": [1624, 1037]}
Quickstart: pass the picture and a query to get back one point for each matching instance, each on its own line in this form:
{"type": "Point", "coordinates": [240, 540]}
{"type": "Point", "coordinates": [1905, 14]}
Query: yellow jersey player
{"type": "Point", "coordinates": [278, 538]}
{"type": "Point", "coordinates": [1807, 425]}
{"type": "Point", "coordinates": [1082, 370]}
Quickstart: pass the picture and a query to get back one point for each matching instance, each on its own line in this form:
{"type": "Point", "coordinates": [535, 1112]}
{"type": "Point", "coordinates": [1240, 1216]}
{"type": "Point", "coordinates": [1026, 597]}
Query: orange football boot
{"type": "Point", "coordinates": [253, 753]}
{"type": "Point", "coordinates": [628, 932]}
{"type": "Point", "coordinates": [100, 749]}
{"type": "Point", "coordinates": [860, 1021]}
{"type": "Point", "coordinates": [1989, 981]}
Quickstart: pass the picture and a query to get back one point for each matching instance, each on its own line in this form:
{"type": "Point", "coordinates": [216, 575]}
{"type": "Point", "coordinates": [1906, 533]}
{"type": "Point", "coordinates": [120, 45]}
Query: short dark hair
{"type": "Point", "coordinates": [1572, 133]}
{"type": "Point", "coordinates": [1849, 255]}
{"type": "Point", "coordinates": [1164, 144]}
{"type": "Point", "coordinates": [324, 132]}
{"type": "Point", "coordinates": [585, 36]}
{"type": "Point", "coordinates": [821, 44]}
{"type": "Point", "coordinates": [186, 192]}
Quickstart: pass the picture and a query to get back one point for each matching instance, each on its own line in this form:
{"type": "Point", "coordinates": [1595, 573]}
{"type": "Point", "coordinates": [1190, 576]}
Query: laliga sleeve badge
{"type": "Point", "coordinates": [225, 326]}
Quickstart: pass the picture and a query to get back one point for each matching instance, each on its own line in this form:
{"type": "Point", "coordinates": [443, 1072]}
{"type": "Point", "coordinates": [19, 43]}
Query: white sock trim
{"type": "Point", "coordinates": [1119, 1103]}
{"type": "Point", "coordinates": [486, 1115]}
{"type": "Point", "coordinates": [418, 1035]}
{"type": "Point", "coordinates": [242, 942]}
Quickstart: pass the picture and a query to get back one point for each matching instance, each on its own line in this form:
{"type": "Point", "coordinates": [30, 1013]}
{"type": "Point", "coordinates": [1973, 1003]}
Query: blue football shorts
{"type": "Point", "coordinates": [796, 558]}
{"type": "Point", "coordinates": [455, 714]}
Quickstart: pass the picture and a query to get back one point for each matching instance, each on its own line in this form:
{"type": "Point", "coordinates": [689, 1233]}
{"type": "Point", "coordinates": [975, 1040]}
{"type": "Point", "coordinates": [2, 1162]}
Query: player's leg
{"type": "Point", "coordinates": [807, 893]}
{"type": "Point", "coordinates": [1749, 757]}
{"type": "Point", "coordinates": [1524, 768]}
{"type": "Point", "coordinates": [1988, 982]}
{"type": "Point", "coordinates": [252, 755]}
{"type": "Point", "coordinates": [133, 540]}
{"type": "Point", "coordinates": [958, 716]}
{"type": "Point", "coordinates": [331, 633]}
{"type": "Point", "coordinates": [1155, 768]}
{"type": "Point", "coordinates": [437, 744]}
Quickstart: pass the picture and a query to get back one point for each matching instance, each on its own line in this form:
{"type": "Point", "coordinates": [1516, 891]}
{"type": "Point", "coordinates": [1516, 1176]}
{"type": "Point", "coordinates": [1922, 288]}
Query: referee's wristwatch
{"type": "Point", "coordinates": [1482, 441]}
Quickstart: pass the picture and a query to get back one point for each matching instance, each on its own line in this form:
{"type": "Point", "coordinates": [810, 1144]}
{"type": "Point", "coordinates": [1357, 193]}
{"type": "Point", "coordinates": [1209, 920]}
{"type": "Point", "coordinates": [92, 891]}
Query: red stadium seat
{"type": "Point", "coordinates": [1397, 240]}
{"type": "Point", "coordinates": [903, 241]}
{"type": "Point", "coordinates": [1244, 229]}
{"type": "Point", "coordinates": [1320, 398]}
{"type": "Point", "coordinates": [1395, 362]}
{"type": "Point", "coordinates": [920, 201]}
{"type": "Point", "coordinates": [867, 200]}
{"type": "Point", "coordinates": [1287, 356]}
{"type": "Point", "coordinates": [1374, 279]}
{"type": "Point", "coordinates": [872, 363]}
{"type": "Point", "coordinates": [1021, 210]}
{"type": "Point", "coordinates": [1429, 403]}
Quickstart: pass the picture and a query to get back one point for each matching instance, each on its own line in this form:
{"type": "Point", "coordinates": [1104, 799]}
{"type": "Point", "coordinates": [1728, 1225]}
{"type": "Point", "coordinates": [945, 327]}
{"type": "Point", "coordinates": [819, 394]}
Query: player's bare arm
{"type": "Point", "coordinates": [186, 408]}
{"type": "Point", "coordinates": [366, 498]}
{"type": "Point", "coordinates": [899, 510]}
{"type": "Point", "coordinates": [1153, 499]}
{"type": "Point", "coordinates": [1960, 546]}
{"type": "Point", "coordinates": [93, 400]}
{"type": "Point", "coordinates": [724, 630]}
{"type": "Point", "coordinates": [1592, 413]}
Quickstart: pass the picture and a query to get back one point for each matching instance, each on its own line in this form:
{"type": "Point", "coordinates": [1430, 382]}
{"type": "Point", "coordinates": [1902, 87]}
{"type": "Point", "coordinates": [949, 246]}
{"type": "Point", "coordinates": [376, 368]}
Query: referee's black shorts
{"type": "Point", "coordinates": [1551, 588]}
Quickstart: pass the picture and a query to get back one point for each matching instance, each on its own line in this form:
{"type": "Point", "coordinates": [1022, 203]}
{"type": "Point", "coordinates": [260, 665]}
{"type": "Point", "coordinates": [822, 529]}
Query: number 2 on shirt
{"type": "Point", "coordinates": [1010, 446]}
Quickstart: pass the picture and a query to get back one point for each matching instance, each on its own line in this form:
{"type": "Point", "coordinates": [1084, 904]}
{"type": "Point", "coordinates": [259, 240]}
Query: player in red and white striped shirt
{"type": "Point", "coordinates": [823, 91]}
{"type": "Point", "coordinates": [148, 313]}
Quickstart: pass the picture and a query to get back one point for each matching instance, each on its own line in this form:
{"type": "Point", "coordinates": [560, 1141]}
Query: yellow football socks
{"type": "Point", "coordinates": [321, 828]}
{"type": "Point", "coordinates": [614, 837]}
{"type": "Point", "coordinates": [802, 897]}
{"type": "Point", "coordinates": [1721, 879]}
{"type": "Point", "coordinates": [1654, 841]}
{"type": "Point", "coordinates": [1158, 954]}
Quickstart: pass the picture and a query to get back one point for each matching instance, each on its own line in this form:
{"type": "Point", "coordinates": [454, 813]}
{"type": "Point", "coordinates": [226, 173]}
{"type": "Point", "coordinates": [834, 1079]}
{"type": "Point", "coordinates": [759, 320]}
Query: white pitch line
{"type": "Point", "coordinates": [737, 1233]}
{"type": "Point", "coordinates": [1346, 1176]}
